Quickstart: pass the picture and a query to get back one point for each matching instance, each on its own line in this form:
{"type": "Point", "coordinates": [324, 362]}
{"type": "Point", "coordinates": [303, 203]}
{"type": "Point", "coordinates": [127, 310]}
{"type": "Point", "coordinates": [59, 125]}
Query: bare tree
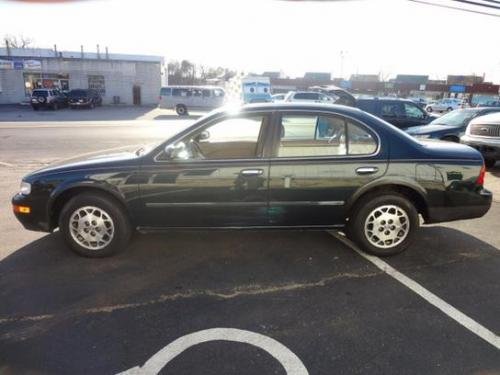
{"type": "Point", "coordinates": [18, 41]}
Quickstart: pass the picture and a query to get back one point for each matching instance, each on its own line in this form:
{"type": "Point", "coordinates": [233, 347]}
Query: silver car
{"type": "Point", "coordinates": [185, 98]}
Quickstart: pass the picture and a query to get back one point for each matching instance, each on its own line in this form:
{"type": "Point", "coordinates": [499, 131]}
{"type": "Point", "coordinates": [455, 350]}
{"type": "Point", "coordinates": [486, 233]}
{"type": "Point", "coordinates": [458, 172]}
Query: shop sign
{"type": "Point", "coordinates": [32, 64]}
{"type": "Point", "coordinates": [457, 88]}
{"type": "Point", "coordinates": [18, 65]}
{"type": "Point", "coordinates": [5, 64]}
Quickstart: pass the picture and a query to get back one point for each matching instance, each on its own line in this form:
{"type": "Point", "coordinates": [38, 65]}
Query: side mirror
{"type": "Point", "coordinates": [204, 135]}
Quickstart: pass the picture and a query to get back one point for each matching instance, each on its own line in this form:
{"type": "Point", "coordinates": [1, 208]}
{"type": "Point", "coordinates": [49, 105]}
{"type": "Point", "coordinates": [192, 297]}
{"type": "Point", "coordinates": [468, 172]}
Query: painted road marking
{"type": "Point", "coordinates": [290, 362]}
{"type": "Point", "coordinates": [430, 297]}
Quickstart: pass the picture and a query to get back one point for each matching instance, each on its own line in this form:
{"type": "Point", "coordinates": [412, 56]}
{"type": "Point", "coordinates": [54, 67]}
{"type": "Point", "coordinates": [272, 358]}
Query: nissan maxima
{"type": "Point", "coordinates": [275, 165]}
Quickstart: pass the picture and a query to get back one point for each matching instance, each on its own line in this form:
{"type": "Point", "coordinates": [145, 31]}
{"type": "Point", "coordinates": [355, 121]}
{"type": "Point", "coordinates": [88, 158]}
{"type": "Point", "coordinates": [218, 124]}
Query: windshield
{"type": "Point", "coordinates": [455, 118]}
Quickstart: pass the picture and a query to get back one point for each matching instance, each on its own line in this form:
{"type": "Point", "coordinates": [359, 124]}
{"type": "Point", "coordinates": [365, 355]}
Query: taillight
{"type": "Point", "coordinates": [480, 178]}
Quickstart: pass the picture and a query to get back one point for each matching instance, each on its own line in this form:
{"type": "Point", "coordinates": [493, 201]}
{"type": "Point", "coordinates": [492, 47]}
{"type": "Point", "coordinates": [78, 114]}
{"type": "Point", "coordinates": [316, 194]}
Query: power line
{"type": "Point", "coordinates": [455, 8]}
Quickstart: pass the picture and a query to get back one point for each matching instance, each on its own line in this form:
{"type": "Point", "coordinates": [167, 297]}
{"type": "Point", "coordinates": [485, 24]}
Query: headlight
{"type": "Point", "coordinates": [25, 188]}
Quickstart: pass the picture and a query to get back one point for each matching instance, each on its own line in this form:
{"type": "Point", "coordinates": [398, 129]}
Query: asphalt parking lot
{"type": "Point", "coordinates": [223, 302]}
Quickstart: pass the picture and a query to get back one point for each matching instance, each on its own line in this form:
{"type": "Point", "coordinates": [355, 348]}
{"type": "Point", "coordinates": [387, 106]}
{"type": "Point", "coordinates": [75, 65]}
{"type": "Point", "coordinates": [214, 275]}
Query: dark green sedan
{"type": "Point", "coordinates": [277, 165]}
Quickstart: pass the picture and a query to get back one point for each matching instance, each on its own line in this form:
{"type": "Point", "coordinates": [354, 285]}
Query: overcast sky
{"type": "Point", "coordinates": [377, 36]}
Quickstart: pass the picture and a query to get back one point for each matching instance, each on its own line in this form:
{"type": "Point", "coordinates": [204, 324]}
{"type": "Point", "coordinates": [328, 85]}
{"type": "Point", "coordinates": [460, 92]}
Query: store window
{"type": "Point", "coordinates": [97, 83]}
{"type": "Point", "coordinates": [34, 81]}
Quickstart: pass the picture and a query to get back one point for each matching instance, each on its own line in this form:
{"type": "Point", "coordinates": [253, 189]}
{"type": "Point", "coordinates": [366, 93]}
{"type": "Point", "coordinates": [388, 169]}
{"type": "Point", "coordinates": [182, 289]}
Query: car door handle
{"type": "Point", "coordinates": [251, 172]}
{"type": "Point", "coordinates": [366, 170]}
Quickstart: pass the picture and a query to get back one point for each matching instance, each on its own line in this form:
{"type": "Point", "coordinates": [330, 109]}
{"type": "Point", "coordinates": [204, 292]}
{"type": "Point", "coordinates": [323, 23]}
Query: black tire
{"type": "Point", "coordinates": [122, 228]}
{"type": "Point", "coordinates": [364, 208]}
{"type": "Point", "coordinates": [55, 107]}
{"type": "Point", "coordinates": [181, 110]}
{"type": "Point", "coordinates": [449, 109]}
{"type": "Point", "coordinates": [35, 107]}
{"type": "Point", "coordinates": [429, 109]}
{"type": "Point", "coordinates": [489, 163]}
{"type": "Point", "coordinates": [91, 105]}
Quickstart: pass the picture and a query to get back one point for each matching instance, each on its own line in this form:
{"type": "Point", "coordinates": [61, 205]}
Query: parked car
{"type": "Point", "coordinates": [185, 98]}
{"type": "Point", "coordinates": [274, 165]}
{"type": "Point", "coordinates": [446, 105]}
{"type": "Point", "coordinates": [340, 95]}
{"type": "Point", "coordinates": [451, 126]}
{"type": "Point", "coordinates": [401, 113]}
{"type": "Point", "coordinates": [48, 98]}
{"type": "Point", "coordinates": [278, 97]}
{"type": "Point", "coordinates": [308, 96]}
{"type": "Point", "coordinates": [421, 102]}
{"type": "Point", "coordinates": [84, 98]}
{"type": "Point", "coordinates": [491, 103]}
{"type": "Point", "coordinates": [483, 133]}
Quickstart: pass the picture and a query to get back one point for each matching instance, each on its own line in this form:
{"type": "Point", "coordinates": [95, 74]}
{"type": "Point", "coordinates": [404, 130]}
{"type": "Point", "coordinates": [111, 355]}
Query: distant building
{"type": "Point", "coordinates": [364, 78]}
{"type": "Point", "coordinates": [273, 74]}
{"type": "Point", "coordinates": [411, 79]}
{"type": "Point", "coordinates": [128, 79]}
{"type": "Point", "coordinates": [464, 80]}
{"type": "Point", "coordinates": [317, 76]}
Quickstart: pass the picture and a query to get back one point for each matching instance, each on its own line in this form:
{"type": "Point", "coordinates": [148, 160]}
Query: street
{"type": "Point", "coordinates": [331, 309]}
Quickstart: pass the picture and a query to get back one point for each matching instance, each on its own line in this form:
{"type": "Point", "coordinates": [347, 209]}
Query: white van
{"type": "Point", "coordinates": [185, 98]}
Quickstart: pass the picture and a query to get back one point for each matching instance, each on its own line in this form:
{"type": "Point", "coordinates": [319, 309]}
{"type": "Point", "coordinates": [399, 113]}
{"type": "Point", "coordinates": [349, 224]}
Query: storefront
{"type": "Point", "coordinates": [116, 77]}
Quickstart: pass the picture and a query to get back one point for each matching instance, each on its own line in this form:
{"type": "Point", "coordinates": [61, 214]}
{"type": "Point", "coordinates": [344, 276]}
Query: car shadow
{"type": "Point", "coordinates": [44, 276]}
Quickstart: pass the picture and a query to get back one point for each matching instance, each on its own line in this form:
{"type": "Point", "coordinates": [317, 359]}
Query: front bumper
{"type": "Point", "coordinates": [35, 220]}
{"type": "Point", "coordinates": [79, 104]}
{"type": "Point", "coordinates": [488, 147]}
{"type": "Point", "coordinates": [478, 206]}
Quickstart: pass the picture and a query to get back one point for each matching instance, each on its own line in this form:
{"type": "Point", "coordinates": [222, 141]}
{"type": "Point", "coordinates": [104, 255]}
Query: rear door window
{"type": "Point", "coordinates": [320, 135]}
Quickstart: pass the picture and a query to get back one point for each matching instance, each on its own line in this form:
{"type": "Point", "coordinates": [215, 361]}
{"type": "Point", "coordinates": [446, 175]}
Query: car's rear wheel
{"type": "Point", "coordinates": [429, 109]}
{"type": "Point", "coordinates": [449, 109]}
{"type": "Point", "coordinates": [181, 110]}
{"type": "Point", "coordinates": [489, 163]}
{"type": "Point", "coordinates": [94, 225]}
{"type": "Point", "coordinates": [35, 108]}
{"type": "Point", "coordinates": [91, 105]}
{"type": "Point", "coordinates": [383, 224]}
{"type": "Point", "coordinates": [55, 106]}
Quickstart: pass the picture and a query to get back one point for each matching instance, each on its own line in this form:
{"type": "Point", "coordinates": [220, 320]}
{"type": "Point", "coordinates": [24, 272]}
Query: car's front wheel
{"type": "Point", "coordinates": [429, 109]}
{"type": "Point", "coordinates": [94, 225]}
{"type": "Point", "coordinates": [181, 110]}
{"type": "Point", "coordinates": [383, 224]}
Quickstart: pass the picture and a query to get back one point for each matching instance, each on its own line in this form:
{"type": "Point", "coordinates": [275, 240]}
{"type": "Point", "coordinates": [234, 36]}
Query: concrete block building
{"type": "Point", "coordinates": [120, 78]}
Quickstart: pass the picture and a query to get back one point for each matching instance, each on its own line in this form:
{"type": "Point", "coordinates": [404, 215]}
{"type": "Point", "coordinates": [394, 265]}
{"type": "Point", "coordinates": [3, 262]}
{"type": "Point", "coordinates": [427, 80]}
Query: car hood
{"type": "Point", "coordinates": [100, 159]}
{"type": "Point", "coordinates": [450, 150]}
{"type": "Point", "coordinates": [427, 129]}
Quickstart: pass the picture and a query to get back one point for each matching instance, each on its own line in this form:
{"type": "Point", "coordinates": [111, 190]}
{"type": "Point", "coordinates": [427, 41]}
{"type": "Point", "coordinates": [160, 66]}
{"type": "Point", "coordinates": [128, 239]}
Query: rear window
{"type": "Point", "coordinates": [366, 105]}
{"type": "Point", "coordinates": [77, 93]}
{"type": "Point", "coordinates": [40, 93]}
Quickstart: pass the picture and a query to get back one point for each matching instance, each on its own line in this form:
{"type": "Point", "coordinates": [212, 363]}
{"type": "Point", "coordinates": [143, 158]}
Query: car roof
{"type": "Point", "coordinates": [491, 118]}
{"type": "Point", "coordinates": [305, 106]}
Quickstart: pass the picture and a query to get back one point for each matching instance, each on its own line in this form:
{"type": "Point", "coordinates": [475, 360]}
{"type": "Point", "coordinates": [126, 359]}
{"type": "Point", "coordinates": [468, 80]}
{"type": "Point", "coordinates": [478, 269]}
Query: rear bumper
{"type": "Point", "coordinates": [478, 208]}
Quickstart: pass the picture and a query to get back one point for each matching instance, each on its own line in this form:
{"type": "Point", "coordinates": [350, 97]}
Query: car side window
{"type": "Point", "coordinates": [412, 111]}
{"type": "Point", "coordinates": [360, 140]}
{"type": "Point", "coordinates": [390, 109]}
{"type": "Point", "coordinates": [229, 138]}
{"type": "Point", "coordinates": [310, 135]}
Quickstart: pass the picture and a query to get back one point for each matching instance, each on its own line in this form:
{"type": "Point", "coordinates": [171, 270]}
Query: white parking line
{"type": "Point", "coordinates": [290, 362]}
{"type": "Point", "coordinates": [430, 297]}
